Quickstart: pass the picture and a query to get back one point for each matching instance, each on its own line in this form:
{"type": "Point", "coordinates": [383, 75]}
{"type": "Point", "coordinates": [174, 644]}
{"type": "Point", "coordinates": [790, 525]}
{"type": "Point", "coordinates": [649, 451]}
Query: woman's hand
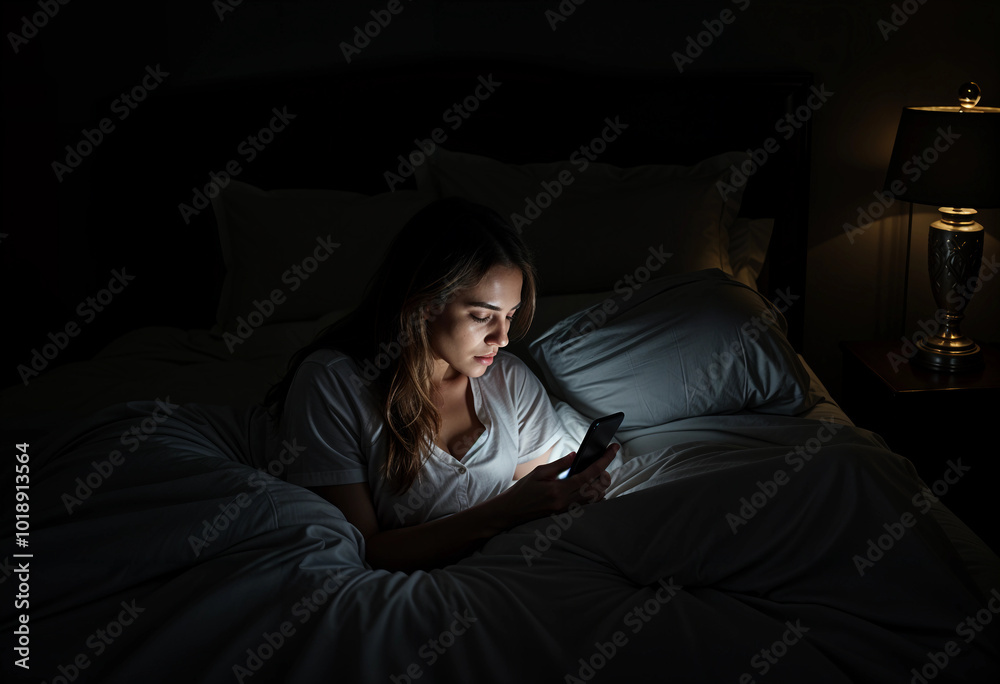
{"type": "Point", "coordinates": [541, 492]}
{"type": "Point", "coordinates": [448, 539]}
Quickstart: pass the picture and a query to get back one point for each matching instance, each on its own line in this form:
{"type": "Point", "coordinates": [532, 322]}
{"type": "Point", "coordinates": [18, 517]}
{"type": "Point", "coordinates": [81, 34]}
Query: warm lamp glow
{"type": "Point", "coordinates": [949, 157]}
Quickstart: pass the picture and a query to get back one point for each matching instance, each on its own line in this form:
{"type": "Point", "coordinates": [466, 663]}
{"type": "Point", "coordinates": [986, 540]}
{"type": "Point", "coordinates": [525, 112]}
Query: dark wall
{"type": "Point", "coordinates": [69, 74]}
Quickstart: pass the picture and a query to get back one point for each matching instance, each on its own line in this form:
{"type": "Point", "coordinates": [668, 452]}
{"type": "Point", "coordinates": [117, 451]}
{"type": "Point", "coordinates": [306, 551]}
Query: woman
{"type": "Point", "coordinates": [411, 419]}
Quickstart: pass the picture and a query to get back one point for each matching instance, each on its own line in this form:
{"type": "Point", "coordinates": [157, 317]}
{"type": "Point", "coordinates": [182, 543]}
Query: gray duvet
{"type": "Point", "coordinates": [735, 548]}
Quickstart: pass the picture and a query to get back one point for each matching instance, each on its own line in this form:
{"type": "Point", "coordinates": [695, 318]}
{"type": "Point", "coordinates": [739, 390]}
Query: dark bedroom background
{"type": "Point", "coordinates": [873, 56]}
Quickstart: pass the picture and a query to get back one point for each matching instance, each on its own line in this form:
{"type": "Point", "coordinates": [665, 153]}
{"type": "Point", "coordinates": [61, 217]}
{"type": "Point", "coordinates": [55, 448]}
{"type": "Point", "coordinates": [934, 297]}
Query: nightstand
{"type": "Point", "coordinates": [933, 419]}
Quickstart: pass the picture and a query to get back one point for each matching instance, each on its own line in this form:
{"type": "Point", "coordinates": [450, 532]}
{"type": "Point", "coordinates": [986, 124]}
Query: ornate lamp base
{"type": "Point", "coordinates": [954, 255]}
{"type": "Point", "coordinates": [955, 361]}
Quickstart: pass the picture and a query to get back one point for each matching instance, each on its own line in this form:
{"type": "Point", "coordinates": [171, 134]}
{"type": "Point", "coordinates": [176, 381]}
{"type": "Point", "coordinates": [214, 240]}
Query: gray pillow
{"type": "Point", "coordinates": [679, 346]}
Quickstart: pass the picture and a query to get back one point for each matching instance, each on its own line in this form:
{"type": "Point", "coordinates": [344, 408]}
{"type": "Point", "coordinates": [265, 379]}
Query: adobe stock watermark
{"type": "Point", "coordinates": [22, 602]}
{"type": "Point", "coordinates": [756, 326]}
{"type": "Point", "coordinates": [6, 569]}
{"type": "Point", "coordinates": [626, 286]}
{"type": "Point", "coordinates": [122, 106]}
{"type": "Point", "coordinates": [697, 44]}
{"type": "Point", "coordinates": [544, 539]}
{"type": "Point", "coordinates": [101, 470]}
{"type": "Point", "coordinates": [371, 369]}
{"type": "Point", "coordinates": [224, 7]}
{"type": "Point", "coordinates": [293, 276]}
{"type": "Point", "coordinates": [563, 11]}
{"type": "Point", "coordinates": [552, 533]}
{"type": "Point", "coordinates": [913, 168]}
{"type": "Point", "coordinates": [786, 126]}
{"type": "Point", "coordinates": [31, 25]}
{"type": "Point", "coordinates": [636, 619]}
{"type": "Point", "coordinates": [416, 496]}
{"type": "Point", "coordinates": [796, 459]}
{"type": "Point", "coordinates": [212, 528]}
{"type": "Point", "coordinates": [878, 547]}
{"type": "Point", "coordinates": [928, 327]}
{"type": "Point", "coordinates": [87, 310]}
{"type": "Point", "coordinates": [900, 14]}
{"type": "Point", "coordinates": [365, 34]}
{"type": "Point", "coordinates": [248, 149]}
{"type": "Point", "coordinates": [768, 657]}
{"type": "Point", "coordinates": [968, 629]}
{"type": "Point", "coordinates": [435, 647]}
{"type": "Point", "coordinates": [455, 115]}
{"type": "Point", "coordinates": [421, 492]}
{"type": "Point", "coordinates": [99, 641]}
{"type": "Point", "coordinates": [258, 482]}
{"type": "Point", "coordinates": [581, 158]}
{"type": "Point", "coordinates": [303, 610]}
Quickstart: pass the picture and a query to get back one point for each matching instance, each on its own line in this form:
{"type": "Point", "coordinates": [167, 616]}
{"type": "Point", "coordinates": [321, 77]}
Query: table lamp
{"type": "Point", "coordinates": [949, 156]}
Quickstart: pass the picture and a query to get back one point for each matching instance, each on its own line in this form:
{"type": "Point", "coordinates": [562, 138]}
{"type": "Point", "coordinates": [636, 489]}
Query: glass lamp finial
{"type": "Point", "coordinates": [968, 95]}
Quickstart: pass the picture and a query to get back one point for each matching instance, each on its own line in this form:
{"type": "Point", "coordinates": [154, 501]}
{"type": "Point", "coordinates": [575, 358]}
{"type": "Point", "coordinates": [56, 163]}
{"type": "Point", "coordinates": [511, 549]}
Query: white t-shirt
{"type": "Point", "coordinates": [336, 419]}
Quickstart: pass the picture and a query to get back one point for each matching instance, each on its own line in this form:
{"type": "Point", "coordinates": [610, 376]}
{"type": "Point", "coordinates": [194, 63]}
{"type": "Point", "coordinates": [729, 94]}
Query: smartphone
{"type": "Point", "coordinates": [595, 443]}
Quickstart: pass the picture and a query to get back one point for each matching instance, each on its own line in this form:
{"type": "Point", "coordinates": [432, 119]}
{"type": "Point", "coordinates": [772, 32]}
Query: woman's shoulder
{"type": "Point", "coordinates": [333, 364]}
{"type": "Point", "coordinates": [508, 368]}
{"type": "Point", "coordinates": [508, 361]}
{"type": "Point", "coordinates": [512, 380]}
{"type": "Point", "coordinates": [330, 358]}
{"type": "Point", "coordinates": [337, 375]}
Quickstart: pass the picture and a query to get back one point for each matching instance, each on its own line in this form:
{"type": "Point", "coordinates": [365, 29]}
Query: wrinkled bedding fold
{"type": "Point", "coordinates": [701, 565]}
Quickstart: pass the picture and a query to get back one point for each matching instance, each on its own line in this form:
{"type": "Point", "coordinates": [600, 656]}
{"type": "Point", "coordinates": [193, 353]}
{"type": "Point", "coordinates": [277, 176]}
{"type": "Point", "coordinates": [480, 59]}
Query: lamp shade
{"type": "Point", "coordinates": [947, 156]}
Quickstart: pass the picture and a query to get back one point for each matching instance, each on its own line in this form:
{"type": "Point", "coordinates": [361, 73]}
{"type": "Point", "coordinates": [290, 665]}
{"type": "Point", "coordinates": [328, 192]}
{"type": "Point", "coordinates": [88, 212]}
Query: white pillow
{"type": "Point", "coordinates": [748, 241]}
{"type": "Point", "coordinates": [681, 346]}
{"type": "Point", "coordinates": [597, 228]}
{"type": "Point", "coordinates": [294, 255]}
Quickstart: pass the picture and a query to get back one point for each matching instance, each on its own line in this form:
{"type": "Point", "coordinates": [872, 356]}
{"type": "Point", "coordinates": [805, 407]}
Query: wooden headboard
{"type": "Point", "coordinates": [351, 125]}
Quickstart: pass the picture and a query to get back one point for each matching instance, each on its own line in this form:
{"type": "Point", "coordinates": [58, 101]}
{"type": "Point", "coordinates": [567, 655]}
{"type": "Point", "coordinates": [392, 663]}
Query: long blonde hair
{"type": "Point", "coordinates": [448, 246]}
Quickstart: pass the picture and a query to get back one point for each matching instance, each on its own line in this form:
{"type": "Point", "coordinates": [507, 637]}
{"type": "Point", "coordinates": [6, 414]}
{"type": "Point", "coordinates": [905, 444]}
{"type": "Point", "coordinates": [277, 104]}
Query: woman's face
{"type": "Point", "coordinates": [473, 326]}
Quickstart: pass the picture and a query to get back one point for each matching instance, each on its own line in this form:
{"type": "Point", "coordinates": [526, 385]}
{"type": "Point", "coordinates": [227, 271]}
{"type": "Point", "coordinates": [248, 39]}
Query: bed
{"type": "Point", "coordinates": [752, 533]}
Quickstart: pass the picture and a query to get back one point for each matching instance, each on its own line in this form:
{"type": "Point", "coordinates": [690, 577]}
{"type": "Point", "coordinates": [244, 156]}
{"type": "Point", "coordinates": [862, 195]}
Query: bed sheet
{"type": "Point", "coordinates": [159, 362]}
{"type": "Point", "coordinates": [185, 559]}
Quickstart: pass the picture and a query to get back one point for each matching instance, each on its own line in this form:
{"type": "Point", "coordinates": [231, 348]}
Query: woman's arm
{"type": "Point", "coordinates": [523, 469]}
{"type": "Point", "coordinates": [447, 540]}
{"type": "Point", "coordinates": [418, 547]}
